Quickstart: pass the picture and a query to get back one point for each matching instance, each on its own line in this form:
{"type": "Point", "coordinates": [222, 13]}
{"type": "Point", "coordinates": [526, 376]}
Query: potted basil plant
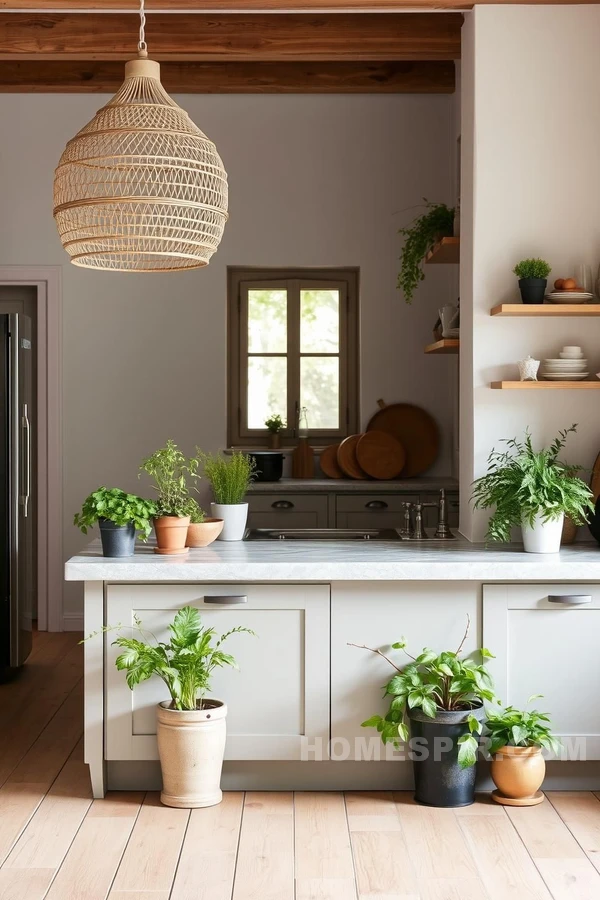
{"type": "Point", "coordinates": [230, 479]}
{"type": "Point", "coordinates": [171, 470]}
{"type": "Point", "coordinates": [119, 516]}
{"type": "Point", "coordinates": [437, 699]}
{"type": "Point", "coordinates": [275, 425]}
{"type": "Point", "coordinates": [533, 490]}
{"type": "Point", "coordinates": [533, 278]}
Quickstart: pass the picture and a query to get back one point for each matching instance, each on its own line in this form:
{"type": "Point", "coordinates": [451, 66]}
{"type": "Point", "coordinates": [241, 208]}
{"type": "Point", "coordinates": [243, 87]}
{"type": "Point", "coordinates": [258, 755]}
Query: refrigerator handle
{"type": "Point", "coordinates": [27, 427]}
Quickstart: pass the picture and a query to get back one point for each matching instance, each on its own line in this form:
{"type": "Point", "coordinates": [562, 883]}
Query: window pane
{"type": "Point", "coordinates": [319, 321]}
{"type": "Point", "coordinates": [267, 389]}
{"type": "Point", "coordinates": [267, 321]}
{"type": "Point", "coordinates": [320, 390]}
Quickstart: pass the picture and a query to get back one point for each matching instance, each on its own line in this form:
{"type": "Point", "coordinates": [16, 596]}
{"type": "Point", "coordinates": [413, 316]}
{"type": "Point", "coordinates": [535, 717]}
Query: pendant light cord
{"type": "Point", "coordinates": [142, 45]}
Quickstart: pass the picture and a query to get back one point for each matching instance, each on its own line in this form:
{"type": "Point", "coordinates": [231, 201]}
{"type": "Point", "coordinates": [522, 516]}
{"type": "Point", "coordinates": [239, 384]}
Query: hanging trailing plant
{"type": "Point", "coordinates": [419, 238]}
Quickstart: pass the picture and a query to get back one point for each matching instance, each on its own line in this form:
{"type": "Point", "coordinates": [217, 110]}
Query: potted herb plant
{"type": "Point", "coordinates": [190, 726]}
{"type": "Point", "coordinates": [533, 490]}
{"type": "Point", "coordinates": [440, 696]}
{"type": "Point", "coordinates": [202, 531]}
{"type": "Point", "coordinates": [171, 470]}
{"type": "Point", "coordinates": [437, 222]}
{"type": "Point", "coordinates": [517, 738]}
{"type": "Point", "coordinates": [532, 275]}
{"type": "Point", "coordinates": [119, 516]}
{"type": "Point", "coordinates": [275, 425]}
{"type": "Point", "coordinates": [230, 479]}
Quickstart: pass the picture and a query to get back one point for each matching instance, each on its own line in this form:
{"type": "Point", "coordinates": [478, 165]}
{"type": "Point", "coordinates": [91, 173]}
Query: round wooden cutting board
{"type": "Point", "coordinates": [329, 463]}
{"type": "Point", "coordinates": [346, 457]}
{"type": "Point", "coordinates": [415, 429]}
{"type": "Point", "coordinates": [380, 455]}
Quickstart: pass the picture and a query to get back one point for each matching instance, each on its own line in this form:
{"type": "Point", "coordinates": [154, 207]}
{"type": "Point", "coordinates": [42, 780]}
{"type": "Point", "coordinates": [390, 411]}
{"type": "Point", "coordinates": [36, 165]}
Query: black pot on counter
{"type": "Point", "coordinates": [269, 465]}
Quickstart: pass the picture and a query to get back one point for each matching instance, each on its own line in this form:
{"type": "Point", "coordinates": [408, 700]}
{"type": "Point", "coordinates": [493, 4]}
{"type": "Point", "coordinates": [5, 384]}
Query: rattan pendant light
{"type": "Point", "coordinates": [140, 188]}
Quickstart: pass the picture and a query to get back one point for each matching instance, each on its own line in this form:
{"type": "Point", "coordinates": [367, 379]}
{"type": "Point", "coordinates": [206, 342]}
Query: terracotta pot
{"type": "Point", "coordinates": [569, 531]}
{"type": "Point", "coordinates": [518, 773]}
{"type": "Point", "coordinates": [201, 534]}
{"type": "Point", "coordinates": [191, 744]}
{"type": "Point", "coordinates": [171, 534]}
{"type": "Point", "coordinates": [274, 440]}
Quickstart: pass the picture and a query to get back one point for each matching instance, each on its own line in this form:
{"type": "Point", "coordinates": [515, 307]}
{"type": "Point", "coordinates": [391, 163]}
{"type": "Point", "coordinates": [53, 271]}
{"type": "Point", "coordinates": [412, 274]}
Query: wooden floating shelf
{"type": "Point", "coordinates": [445, 346]}
{"type": "Point", "coordinates": [546, 310]}
{"type": "Point", "coordinates": [445, 251]}
{"type": "Point", "coordinates": [545, 385]}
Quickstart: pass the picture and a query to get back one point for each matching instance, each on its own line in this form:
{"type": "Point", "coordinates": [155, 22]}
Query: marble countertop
{"type": "Point", "coordinates": [242, 561]}
{"type": "Point", "coordinates": [351, 486]}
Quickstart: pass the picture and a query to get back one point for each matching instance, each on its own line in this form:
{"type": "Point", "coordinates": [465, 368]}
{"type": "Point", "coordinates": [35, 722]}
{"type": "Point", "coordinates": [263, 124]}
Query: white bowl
{"type": "Point", "coordinates": [572, 350]}
{"type": "Point", "coordinates": [570, 356]}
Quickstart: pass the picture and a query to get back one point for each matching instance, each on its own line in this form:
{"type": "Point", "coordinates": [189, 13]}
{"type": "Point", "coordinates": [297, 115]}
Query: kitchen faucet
{"type": "Point", "coordinates": [416, 532]}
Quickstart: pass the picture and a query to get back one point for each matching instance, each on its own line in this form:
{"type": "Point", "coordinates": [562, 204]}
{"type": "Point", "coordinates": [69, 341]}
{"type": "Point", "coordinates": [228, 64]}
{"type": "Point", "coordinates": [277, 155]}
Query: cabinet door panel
{"type": "Point", "coordinates": [287, 511]}
{"type": "Point", "coordinates": [548, 648]}
{"type": "Point", "coordinates": [280, 693]}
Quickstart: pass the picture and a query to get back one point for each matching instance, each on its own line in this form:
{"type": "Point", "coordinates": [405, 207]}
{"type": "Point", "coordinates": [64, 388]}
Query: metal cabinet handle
{"type": "Point", "coordinates": [27, 494]}
{"type": "Point", "coordinates": [282, 504]}
{"type": "Point", "coordinates": [570, 599]}
{"type": "Point", "coordinates": [227, 599]}
{"type": "Point", "coordinates": [376, 504]}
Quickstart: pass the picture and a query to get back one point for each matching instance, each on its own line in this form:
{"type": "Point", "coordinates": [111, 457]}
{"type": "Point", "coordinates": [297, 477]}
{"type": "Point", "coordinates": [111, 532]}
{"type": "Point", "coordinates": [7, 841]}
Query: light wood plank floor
{"type": "Point", "coordinates": [56, 843]}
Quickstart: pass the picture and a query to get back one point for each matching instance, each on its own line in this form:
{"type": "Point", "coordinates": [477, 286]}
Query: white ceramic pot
{"type": "Point", "coordinates": [544, 537]}
{"type": "Point", "coordinates": [191, 745]}
{"type": "Point", "coordinates": [235, 516]}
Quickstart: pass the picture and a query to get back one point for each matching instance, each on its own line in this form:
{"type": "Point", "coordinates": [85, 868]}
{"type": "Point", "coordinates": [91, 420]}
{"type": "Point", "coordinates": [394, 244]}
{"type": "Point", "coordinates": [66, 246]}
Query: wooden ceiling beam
{"type": "Point", "coordinates": [259, 6]}
{"type": "Point", "coordinates": [233, 38]}
{"type": "Point", "coordinates": [71, 76]}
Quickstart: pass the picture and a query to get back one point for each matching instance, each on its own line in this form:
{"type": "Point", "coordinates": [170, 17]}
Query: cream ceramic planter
{"type": "Point", "coordinates": [544, 537]}
{"type": "Point", "coordinates": [201, 534]}
{"type": "Point", "coordinates": [191, 745]}
{"type": "Point", "coordinates": [235, 516]}
{"type": "Point", "coordinates": [518, 773]}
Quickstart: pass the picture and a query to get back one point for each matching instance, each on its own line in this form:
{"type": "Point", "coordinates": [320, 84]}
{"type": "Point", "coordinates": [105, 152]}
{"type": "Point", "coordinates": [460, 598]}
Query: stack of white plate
{"type": "Point", "coordinates": [565, 369]}
{"type": "Point", "coordinates": [569, 297]}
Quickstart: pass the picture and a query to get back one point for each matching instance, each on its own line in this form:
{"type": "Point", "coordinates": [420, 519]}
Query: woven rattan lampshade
{"type": "Point", "coordinates": [140, 188]}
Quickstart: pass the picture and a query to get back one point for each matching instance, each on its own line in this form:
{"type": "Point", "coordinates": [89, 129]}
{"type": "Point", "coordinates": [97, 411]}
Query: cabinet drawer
{"type": "Point", "coordinates": [288, 511]}
{"type": "Point", "coordinates": [373, 504]}
{"type": "Point", "coordinates": [279, 696]}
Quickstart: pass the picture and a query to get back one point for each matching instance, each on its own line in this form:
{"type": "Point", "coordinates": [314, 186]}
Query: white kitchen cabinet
{"type": "Point", "coordinates": [281, 692]}
{"type": "Point", "coordinates": [428, 614]}
{"type": "Point", "coordinates": [550, 647]}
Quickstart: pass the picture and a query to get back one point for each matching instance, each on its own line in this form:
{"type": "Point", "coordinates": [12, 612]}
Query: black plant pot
{"type": "Point", "coordinates": [594, 521]}
{"type": "Point", "coordinates": [117, 540]}
{"type": "Point", "coordinates": [439, 780]}
{"type": "Point", "coordinates": [269, 465]}
{"type": "Point", "coordinates": [532, 289]}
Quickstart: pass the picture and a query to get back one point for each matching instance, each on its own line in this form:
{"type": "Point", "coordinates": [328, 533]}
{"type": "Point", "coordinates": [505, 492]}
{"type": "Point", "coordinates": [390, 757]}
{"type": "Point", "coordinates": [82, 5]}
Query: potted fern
{"type": "Point", "coordinates": [171, 470]}
{"type": "Point", "coordinates": [230, 479]}
{"type": "Point", "coordinates": [437, 222]}
{"type": "Point", "coordinates": [532, 275]}
{"type": "Point", "coordinates": [533, 490]}
{"type": "Point", "coordinates": [437, 699]}
{"type": "Point", "coordinates": [191, 727]}
{"type": "Point", "coordinates": [119, 516]}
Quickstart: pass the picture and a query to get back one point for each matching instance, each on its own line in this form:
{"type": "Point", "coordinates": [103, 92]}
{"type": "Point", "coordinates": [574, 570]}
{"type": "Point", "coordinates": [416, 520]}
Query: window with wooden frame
{"type": "Point", "coordinates": [292, 344]}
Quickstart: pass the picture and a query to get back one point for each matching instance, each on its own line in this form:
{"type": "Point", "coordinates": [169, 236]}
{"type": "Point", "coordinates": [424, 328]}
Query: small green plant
{"type": "Point", "coordinates": [119, 507]}
{"type": "Point", "coordinates": [171, 470]}
{"type": "Point", "coordinates": [420, 237]}
{"type": "Point", "coordinates": [522, 484]}
{"type": "Point", "coordinates": [434, 681]}
{"type": "Point", "coordinates": [194, 511]}
{"type": "Point", "coordinates": [532, 268]}
{"type": "Point", "coordinates": [275, 423]}
{"type": "Point", "coordinates": [230, 478]}
{"type": "Point", "coordinates": [185, 664]}
{"type": "Point", "coordinates": [518, 728]}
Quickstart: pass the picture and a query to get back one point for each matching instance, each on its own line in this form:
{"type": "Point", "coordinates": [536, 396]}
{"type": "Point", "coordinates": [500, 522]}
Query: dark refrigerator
{"type": "Point", "coordinates": [16, 526]}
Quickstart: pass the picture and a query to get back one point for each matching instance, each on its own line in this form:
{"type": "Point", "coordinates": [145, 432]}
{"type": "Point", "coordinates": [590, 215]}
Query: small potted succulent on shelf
{"type": "Point", "coordinates": [437, 222]}
{"type": "Point", "coordinates": [516, 740]}
{"type": "Point", "coordinates": [190, 726]}
{"type": "Point", "coordinates": [532, 275]}
{"type": "Point", "coordinates": [202, 531]}
{"type": "Point", "coordinates": [171, 470]}
{"type": "Point", "coordinates": [230, 480]}
{"type": "Point", "coordinates": [119, 516]}
{"type": "Point", "coordinates": [275, 425]}
{"type": "Point", "coordinates": [441, 697]}
{"type": "Point", "coordinates": [533, 490]}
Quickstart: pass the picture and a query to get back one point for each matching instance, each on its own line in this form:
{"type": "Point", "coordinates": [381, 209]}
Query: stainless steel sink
{"type": "Point", "coordinates": [322, 534]}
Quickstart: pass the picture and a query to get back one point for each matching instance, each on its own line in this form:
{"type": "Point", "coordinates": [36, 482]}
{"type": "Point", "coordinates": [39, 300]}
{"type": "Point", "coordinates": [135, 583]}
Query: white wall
{"type": "Point", "coordinates": [314, 181]}
{"type": "Point", "coordinates": [531, 187]}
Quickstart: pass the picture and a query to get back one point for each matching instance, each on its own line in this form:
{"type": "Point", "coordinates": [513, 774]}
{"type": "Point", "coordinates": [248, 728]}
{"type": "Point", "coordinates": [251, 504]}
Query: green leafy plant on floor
{"type": "Point", "coordinates": [522, 483]}
{"type": "Point", "coordinates": [532, 268]}
{"type": "Point", "coordinates": [171, 471]}
{"type": "Point", "coordinates": [230, 478]}
{"type": "Point", "coordinates": [185, 663]}
{"type": "Point", "coordinates": [419, 238]}
{"type": "Point", "coordinates": [275, 423]}
{"type": "Point", "coordinates": [119, 507]}
{"type": "Point", "coordinates": [431, 682]}
{"type": "Point", "coordinates": [520, 728]}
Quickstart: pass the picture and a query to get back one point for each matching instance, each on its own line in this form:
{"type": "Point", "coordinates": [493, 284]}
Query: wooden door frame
{"type": "Point", "coordinates": [47, 282]}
